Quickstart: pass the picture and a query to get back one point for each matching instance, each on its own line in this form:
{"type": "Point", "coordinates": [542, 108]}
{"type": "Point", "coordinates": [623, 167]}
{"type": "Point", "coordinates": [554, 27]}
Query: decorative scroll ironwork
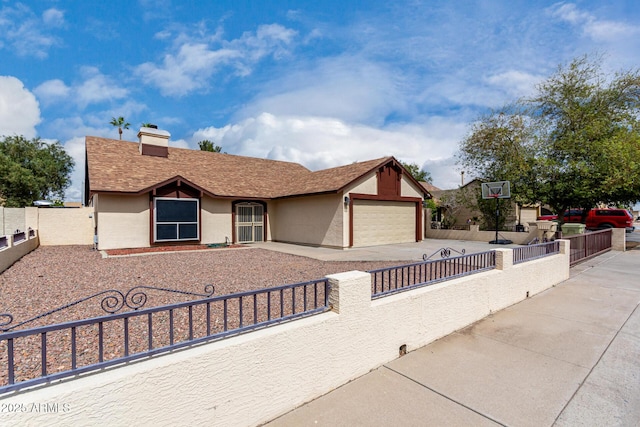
{"type": "Point", "coordinates": [444, 253]}
{"type": "Point", "coordinates": [113, 302]}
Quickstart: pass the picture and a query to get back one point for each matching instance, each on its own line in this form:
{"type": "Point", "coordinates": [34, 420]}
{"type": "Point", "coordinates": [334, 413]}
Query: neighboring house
{"type": "Point", "coordinates": [148, 193]}
{"type": "Point", "coordinates": [456, 207]}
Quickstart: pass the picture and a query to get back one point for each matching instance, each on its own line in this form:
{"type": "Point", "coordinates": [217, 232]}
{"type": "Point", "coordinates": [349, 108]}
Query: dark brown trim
{"type": "Point", "coordinates": [154, 150]}
{"type": "Point", "coordinates": [151, 222]}
{"type": "Point", "coordinates": [291, 196]}
{"type": "Point", "coordinates": [351, 221]}
{"type": "Point", "coordinates": [419, 221]}
{"type": "Point", "coordinates": [360, 196]}
{"type": "Point", "coordinates": [176, 178]}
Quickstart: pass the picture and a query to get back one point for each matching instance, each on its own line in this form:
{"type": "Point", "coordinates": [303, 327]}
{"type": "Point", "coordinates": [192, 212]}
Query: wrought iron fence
{"type": "Point", "coordinates": [387, 281]}
{"type": "Point", "coordinates": [38, 355]}
{"type": "Point", "coordinates": [588, 245]}
{"type": "Point", "coordinates": [531, 252]}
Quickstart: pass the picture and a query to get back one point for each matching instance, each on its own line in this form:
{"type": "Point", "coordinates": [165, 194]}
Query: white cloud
{"type": "Point", "coordinates": [28, 34]}
{"type": "Point", "coordinates": [97, 87]}
{"type": "Point", "coordinates": [93, 88]}
{"type": "Point", "coordinates": [592, 27]}
{"type": "Point", "coordinates": [351, 88]}
{"type": "Point", "coordinates": [53, 18]}
{"type": "Point", "coordinates": [52, 90]}
{"type": "Point", "coordinates": [75, 148]}
{"type": "Point", "coordinates": [515, 83]}
{"type": "Point", "coordinates": [185, 71]}
{"type": "Point", "coordinates": [194, 60]}
{"type": "Point", "coordinates": [19, 109]}
{"type": "Point", "coordinates": [323, 142]}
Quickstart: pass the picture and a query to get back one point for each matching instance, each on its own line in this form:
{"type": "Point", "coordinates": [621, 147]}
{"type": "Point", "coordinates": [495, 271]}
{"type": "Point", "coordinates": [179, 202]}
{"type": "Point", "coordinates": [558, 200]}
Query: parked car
{"type": "Point", "coordinates": [571, 215]}
{"type": "Point", "coordinates": [610, 218]}
{"type": "Point", "coordinates": [597, 218]}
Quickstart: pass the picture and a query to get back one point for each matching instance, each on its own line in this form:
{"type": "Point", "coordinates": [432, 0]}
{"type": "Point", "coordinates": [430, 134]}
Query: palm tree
{"type": "Point", "coordinates": [120, 123]}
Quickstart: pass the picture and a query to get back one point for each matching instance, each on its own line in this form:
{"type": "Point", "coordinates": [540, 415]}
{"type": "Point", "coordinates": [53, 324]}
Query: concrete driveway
{"type": "Point", "coordinates": [395, 252]}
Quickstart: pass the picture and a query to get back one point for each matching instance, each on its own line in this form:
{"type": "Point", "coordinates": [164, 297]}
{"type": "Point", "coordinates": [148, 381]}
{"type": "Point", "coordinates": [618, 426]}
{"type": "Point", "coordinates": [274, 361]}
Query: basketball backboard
{"type": "Point", "coordinates": [496, 190]}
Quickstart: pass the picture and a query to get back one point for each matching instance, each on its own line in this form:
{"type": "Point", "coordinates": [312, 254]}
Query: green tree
{"type": "Point", "coordinates": [576, 143]}
{"type": "Point", "coordinates": [32, 170]}
{"type": "Point", "coordinates": [415, 171]}
{"type": "Point", "coordinates": [589, 131]}
{"type": "Point", "coordinates": [206, 145]}
{"type": "Point", "coordinates": [120, 123]}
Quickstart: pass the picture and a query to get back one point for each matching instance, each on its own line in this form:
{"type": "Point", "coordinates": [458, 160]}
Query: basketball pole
{"type": "Point", "coordinates": [497, 215]}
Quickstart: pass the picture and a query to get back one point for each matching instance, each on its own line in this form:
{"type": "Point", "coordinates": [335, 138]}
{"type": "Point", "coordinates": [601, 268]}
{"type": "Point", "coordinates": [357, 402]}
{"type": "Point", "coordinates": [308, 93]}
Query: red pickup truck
{"type": "Point", "coordinates": [597, 218]}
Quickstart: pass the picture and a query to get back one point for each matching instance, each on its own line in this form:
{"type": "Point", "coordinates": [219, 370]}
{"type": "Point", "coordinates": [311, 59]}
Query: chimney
{"type": "Point", "coordinates": [153, 141]}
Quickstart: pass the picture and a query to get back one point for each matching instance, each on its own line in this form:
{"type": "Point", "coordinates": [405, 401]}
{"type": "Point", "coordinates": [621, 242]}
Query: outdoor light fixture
{"type": "Point", "coordinates": [346, 201]}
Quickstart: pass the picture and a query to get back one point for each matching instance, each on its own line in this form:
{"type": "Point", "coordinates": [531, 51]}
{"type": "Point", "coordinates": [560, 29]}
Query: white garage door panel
{"type": "Point", "coordinates": [380, 223]}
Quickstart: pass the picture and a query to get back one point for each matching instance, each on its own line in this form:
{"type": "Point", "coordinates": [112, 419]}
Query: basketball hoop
{"type": "Point", "coordinates": [497, 190]}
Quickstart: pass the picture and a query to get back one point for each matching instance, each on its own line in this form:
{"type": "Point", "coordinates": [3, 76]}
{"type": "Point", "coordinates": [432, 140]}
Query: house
{"type": "Point", "coordinates": [147, 193]}
{"type": "Point", "coordinates": [457, 206]}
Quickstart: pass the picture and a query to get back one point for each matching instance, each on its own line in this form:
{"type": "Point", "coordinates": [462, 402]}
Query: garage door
{"type": "Point", "coordinates": [381, 223]}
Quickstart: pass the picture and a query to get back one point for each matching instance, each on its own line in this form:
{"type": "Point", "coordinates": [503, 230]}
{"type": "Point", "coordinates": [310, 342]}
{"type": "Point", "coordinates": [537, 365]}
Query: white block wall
{"type": "Point", "coordinates": [253, 378]}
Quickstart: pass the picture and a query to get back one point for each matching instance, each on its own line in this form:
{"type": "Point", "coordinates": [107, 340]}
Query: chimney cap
{"type": "Point", "coordinates": [153, 132]}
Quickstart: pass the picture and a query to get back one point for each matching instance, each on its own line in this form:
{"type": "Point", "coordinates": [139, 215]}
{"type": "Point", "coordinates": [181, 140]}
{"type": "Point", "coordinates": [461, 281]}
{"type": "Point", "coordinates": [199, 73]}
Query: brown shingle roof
{"type": "Point", "coordinates": [118, 166]}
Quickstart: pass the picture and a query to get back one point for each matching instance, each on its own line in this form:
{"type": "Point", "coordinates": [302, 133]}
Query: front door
{"type": "Point", "coordinates": [249, 222]}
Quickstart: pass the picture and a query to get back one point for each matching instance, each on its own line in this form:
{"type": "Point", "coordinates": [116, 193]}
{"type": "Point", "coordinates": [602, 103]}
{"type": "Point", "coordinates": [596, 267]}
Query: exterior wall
{"type": "Point", "coordinates": [480, 236]}
{"type": "Point", "coordinates": [528, 215]}
{"type": "Point", "coordinates": [619, 239]}
{"type": "Point", "coordinates": [65, 226]}
{"type": "Point", "coordinates": [31, 217]}
{"type": "Point", "coordinates": [11, 219]}
{"type": "Point", "coordinates": [216, 220]}
{"type": "Point", "coordinates": [123, 221]}
{"type": "Point", "coordinates": [313, 220]}
{"type": "Point", "coordinates": [15, 251]}
{"type": "Point", "coordinates": [408, 189]}
{"type": "Point", "coordinates": [271, 209]}
{"type": "Point", "coordinates": [252, 378]}
{"type": "Point", "coordinates": [367, 185]}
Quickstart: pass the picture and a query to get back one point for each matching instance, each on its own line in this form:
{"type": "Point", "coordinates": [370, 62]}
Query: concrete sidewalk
{"type": "Point", "coordinates": [568, 356]}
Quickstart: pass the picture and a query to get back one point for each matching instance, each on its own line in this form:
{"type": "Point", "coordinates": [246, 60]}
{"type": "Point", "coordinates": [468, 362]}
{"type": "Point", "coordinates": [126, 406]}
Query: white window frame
{"type": "Point", "coordinates": [177, 223]}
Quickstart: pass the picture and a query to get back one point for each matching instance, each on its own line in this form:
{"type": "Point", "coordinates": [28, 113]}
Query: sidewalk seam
{"type": "Point", "coordinates": [445, 396]}
{"type": "Point", "coordinates": [594, 366]}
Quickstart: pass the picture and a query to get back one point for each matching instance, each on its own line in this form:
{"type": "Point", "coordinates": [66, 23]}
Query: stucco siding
{"type": "Point", "coordinates": [65, 226]}
{"type": "Point", "coordinates": [123, 221]}
{"type": "Point", "coordinates": [366, 185]}
{"type": "Point", "coordinates": [409, 189]}
{"type": "Point", "coordinates": [216, 220]}
{"type": "Point", "coordinates": [315, 220]}
{"type": "Point", "coordinates": [11, 219]}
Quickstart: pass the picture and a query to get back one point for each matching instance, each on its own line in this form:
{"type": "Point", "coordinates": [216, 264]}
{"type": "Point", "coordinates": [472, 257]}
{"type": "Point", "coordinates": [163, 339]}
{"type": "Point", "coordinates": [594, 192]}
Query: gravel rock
{"type": "Point", "coordinates": [54, 276]}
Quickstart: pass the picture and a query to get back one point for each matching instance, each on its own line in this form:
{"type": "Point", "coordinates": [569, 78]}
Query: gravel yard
{"type": "Point", "coordinates": [53, 276]}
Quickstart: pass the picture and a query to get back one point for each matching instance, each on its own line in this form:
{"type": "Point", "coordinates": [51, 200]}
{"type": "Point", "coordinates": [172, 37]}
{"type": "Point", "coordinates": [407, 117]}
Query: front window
{"type": "Point", "coordinates": [176, 219]}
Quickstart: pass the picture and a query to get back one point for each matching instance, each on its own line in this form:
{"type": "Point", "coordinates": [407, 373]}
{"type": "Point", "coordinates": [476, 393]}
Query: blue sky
{"type": "Point", "coordinates": [322, 83]}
